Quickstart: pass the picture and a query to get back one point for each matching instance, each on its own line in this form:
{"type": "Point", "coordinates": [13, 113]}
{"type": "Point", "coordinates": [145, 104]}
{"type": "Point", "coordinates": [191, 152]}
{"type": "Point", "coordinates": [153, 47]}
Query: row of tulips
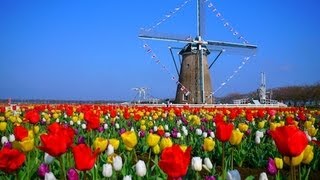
{"type": "Point", "coordinates": [133, 142]}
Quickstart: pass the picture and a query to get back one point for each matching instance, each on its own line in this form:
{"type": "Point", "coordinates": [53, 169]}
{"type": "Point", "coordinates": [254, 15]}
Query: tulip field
{"type": "Point", "coordinates": [88, 141]}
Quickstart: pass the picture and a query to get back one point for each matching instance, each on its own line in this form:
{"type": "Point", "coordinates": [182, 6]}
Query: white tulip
{"type": "Point", "coordinates": [263, 176]}
{"type": "Point", "coordinates": [127, 177]}
{"type": "Point", "coordinates": [48, 158]}
{"type": "Point", "coordinates": [166, 127]}
{"type": "Point", "coordinates": [141, 169]}
{"type": "Point", "coordinates": [105, 126]}
{"type": "Point", "coordinates": [107, 170]}
{"type": "Point", "coordinates": [117, 126]}
{"type": "Point", "coordinates": [110, 150]}
{"type": "Point", "coordinates": [204, 134]}
{"type": "Point", "coordinates": [179, 122]}
{"type": "Point", "coordinates": [12, 138]}
{"type": "Point", "coordinates": [71, 123]}
{"type": "Point", "coordinates": [4, 139]}
{"type": "Point", "coordinates": [83, 126]}
{"type": "Point", "coordinates": [57, 120]}
{"type": "Point", "coordinates": [167, 134]}
{"type": "Point", "coordinates": [233, 175]}
{"type": "Point", "coordinates": [155, 128]}
{"type": "Point", "coordinates": [196, 163]}
{"type": "Point", "coordinates": [257, 140]}
{"type": "Point", "coordinates": [178, 135]}
{"type": "Point", "coordinates": [79, 123]}
{"type": "Point", "coordinates": [49, 176]}
{"type": "Point", "coordinates": [212, 134]}
{"type": "Point", "coordinates": [199, 132]}
{"type": "Point", "coordinates": [208, 163]}
{"type": "Point", "coordinates": [117, 163]}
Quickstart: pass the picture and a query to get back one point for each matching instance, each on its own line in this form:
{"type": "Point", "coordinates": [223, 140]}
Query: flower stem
{"type": "Point", "coordinates": [63, 172]}
{"type": "Point", "coordinates": [223, 168]}
{"type": "Point", "coordinates": [232, 149]}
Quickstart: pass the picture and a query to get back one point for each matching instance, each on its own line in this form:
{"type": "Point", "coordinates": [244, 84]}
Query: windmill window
{"type": "Point", "coordinates": [188, 65]}
{"type": "Point", "coordinates": [185, 97]}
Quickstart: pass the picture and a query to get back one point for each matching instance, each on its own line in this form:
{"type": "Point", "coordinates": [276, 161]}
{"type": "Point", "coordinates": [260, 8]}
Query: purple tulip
{"type": "Point", "coordinates": [271, 167]}
{"type": "Point", "coordinates": [209, 178]}
{"type": "Point", "coordinates": [7, 145]}
{"type": "Point", "coordinates": [122, 130]}
{"type": "Point", "coordinates": [100, 129]}
{"type": "Point", "coordinates": [81, 140]}
{"type": "Point", "coordinates": [43, 169]}
{"type": "Point", "coordinates": [142, 134]}
{"type": "Point", "coordinates": [76, 131]}
{"type": "Point", "coordinates": [72, 174]}
{"type": "Point", "coordinates": [248, 132]}
{"type": "Point", "coordinates": [129, 123]}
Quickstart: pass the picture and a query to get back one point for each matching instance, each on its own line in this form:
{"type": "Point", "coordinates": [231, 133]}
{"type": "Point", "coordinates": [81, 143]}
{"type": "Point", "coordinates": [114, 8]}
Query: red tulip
{"type": "Point", "coordinates": [32, 116]}
{"type": "Point", "coordinates": [54, 144]}
{"type": "Point", "coordinates": [290, 140]}
{"type": "Point", "coordinates": [11, 160]}
{"type": "Point", "coordinates": [174, 162]}
{"type": "Point", "coordinates": [67, 132]}
{"type": "Point", "coordinates": [92, 119]}
{"type": "Point", "coordinates": [224, 131]}
{"type": "Point", "coordinates": [84, 158]}
{"type": "Point", "coordinates": [20, 132]}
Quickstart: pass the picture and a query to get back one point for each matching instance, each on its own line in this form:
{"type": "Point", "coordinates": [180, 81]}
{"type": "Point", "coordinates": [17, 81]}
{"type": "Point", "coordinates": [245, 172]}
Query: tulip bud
{"type": "Point", "coordinates": [107, 170]}
{"type": "Point", "coordinates": [127, 177]}
{"type": "Point", "coordinates": [72, 174]}
{"type": "Point", "coordinates": [117, 163]}
{"type": "Point", "coordinates": [4, 139]}
{"type": "Point", "coordinates": [233, 175]}
{"type": "Point", "coordinates": [141, 169]}
{"type": "Point", "coordinates": [47, 158]}
{"type": "Point", "coordinates": [279, 163]}
{"type": "Point", "coordinates": [199, 132]}
{"type": "Point", "coordinates": [43, 169]}
{"type": "Point", "coordinates": [12, 138]}
{"type": "Point", "coordinates": [49, 176]}
{"type": "Point", "coordinates": [263, 176]}
{"type": "Point", "coordinates": [196, 163]}
{"type": "Point", "coordinates": [208, 163]}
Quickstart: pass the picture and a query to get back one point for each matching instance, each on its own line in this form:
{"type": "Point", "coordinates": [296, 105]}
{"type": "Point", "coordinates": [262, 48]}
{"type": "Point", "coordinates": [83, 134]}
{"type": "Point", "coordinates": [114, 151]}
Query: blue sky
{"type": "Point", "coordinates": [84, 50]}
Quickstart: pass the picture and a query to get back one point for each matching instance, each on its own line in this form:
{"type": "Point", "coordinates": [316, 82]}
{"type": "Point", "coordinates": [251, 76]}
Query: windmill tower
{"type": "Point", "coordinates": [194, 70]}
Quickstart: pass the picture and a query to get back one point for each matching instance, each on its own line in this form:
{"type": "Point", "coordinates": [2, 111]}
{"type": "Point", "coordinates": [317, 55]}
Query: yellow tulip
{"type": "Point", "coordinates": [273, 126]}
{"type": "Point", "coordinates": [261, 124]}
{"type": "Point", "coordinates": [278, 162]}
{"type": "Point", "coordinates": [75, 119]}
{"type": "Point", "coordinates": [129, 139]}
{"type": "Point", "coordinates": [312, 131]}
{"type": "Point", "coordinates": [2, 118]}
{"type": "Point", "coordinates": [243, 127]}
{"type": "Point", "coordinates": [307, 124]}
{"type": "Point", "coordinates": [153, 139]}
{"type": "Point", "coordinates": [36, 129]}
{"type": "Point", "coordinates": [55, 115]}
{"type": "Point", "coordinates": [165, 142]}
{"type": "Point", "coordinates": [295, 161]}
{"type": "Point", "coordinates": [156, 149]}
{"type": "Point", "coordinates": [81, 116]}
{"type": "Point", "coordinates": [143, 127]}
{"type": "Point", "coordinates": [100, 143]}
{"type": "Point", "coordinates": [236, 137]}
{"type": "Point", "coordinates": [308, 154]}
{"type": "Point", "coordinates": [3, 126]}
{"type": "Point", "coordinates": [208, 144]}
{"type": "Point", "coordinates": [115, 143]}
{"type": "Point", "coordinates": [27, 143]}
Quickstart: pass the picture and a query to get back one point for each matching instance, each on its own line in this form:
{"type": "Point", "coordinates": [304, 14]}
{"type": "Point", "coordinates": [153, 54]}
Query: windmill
{"type": "Point", "coordinates": [194, 69]}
